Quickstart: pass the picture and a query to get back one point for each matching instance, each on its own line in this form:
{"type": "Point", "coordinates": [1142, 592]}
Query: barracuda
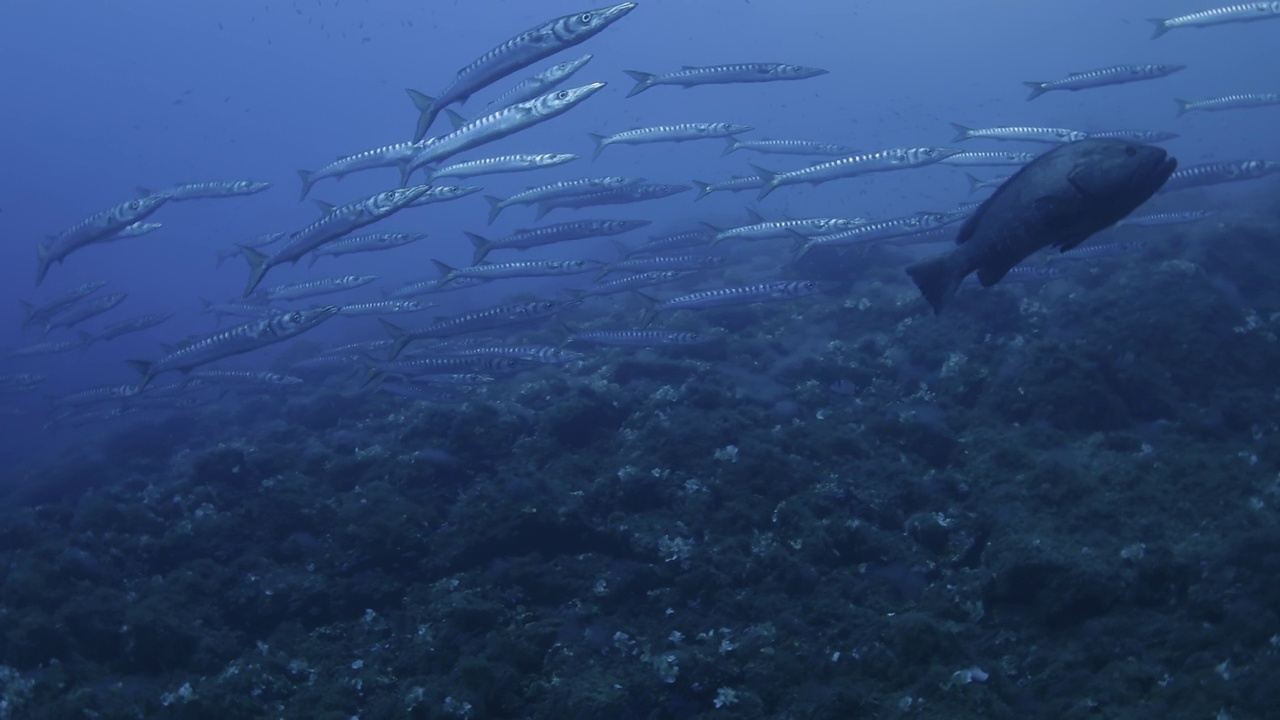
{"type": "Point", "coordinates": [682, 132]}
{"type": "Point", "coordinates": [551, 234]}
{"type": "Point", "coordinates": [96, 228]}
{"type": "Point", "coordinates": [487, 319]}
{"type": "Point", "coordinates": [1113, 75]}
{"type": "Point", "coordinates": [563, 188]}
{"type": "Point", "coordinates": [535, 85]}
{"type": "Point", "coordinates": [1243, 12]}
{"type": "Point", "coordinates": [852, 166]}
{"type": "Point", "coordinates": [500, 164]}
{"type": "Point", "coordinates": [396, 155]}
{"type": "Point", "coordinates": [734, 296]}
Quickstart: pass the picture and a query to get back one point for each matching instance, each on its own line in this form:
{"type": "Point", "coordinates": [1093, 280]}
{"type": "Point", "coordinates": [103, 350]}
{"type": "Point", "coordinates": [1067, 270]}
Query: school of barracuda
{"type": "Point", "coordinates": [442, 359]}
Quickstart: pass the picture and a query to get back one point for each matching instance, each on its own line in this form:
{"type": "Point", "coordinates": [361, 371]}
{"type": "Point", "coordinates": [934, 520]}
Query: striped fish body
{"type": "Point", "coordinates": [1138, 136]}
{"type": "Point", "coordinates": [539, 354]}
{"type": "Point", "coordinates": [1018, 134]}
{"type": "Point", "coordinates": [333, 225]}
{"type": "Point", "coordinates": [132, 325]}
{"type": "Point", "coordinates": [1113, 75]}
{"type": "Point", "coordinates": [500, 124]}
{"type": "Point", "coordinates": [235, 341]}
{"type": "Point", "coordinates": [551, 234]}
{"type": "Point", "coordinates": [789, 147]}
{"type": "Point", "coordinates": [39, 314]}
{"type": "Point", "coordinates": [500, 164]}
{"type": "Point", "coordinates": [20, 382]}
{"type": "Point", "coordinates": [487, 319]}
{"type": "Point", "coordinates": [521, 51]}
{"type": "Point", "coordinates": [631, 282]}
{"type": "Point", "coordinates": [444, 193]}
{"type": "Point", "coordinates": [989, 159]}
{"type": "Point", "coordinates": [658, 245]}
{"type": "Point", "coordinates": [239, 309]}
{"type": "Point", "coordinates": [979, 184]}
{"type": "Point", "coordinates": [563, 188]}
{"type": "Point", "coordinates": [1229, 102]}
{"type": "Point", "coordinates": [427, 287]}
{"type": "Point", "coordinates": [207, 190]}
{"type": "Point", "coordinates": [384, 307]}
{"type": "Point", "coordinates": [639, 338]}
{"type": "Point", "coordinates": [102, 226]}
{"type": "Point", "coordinates": [1169, 218]}
{"type": "Point", "coordinates": [639, 192]}
{"type": "Point", "coordinates": [453, 364]}
{"type": "Point", "coordinates": [525, 268]}
{"type": "Point", "coordinates": [397, 155]}
{"type": "Point", "coordinates": [78, 313]}
{"type": "Point", "coordinates": [681, 132]}
{"type": "Point", "coordinates": [737, 184]}
{"type": "Point", "coordinates": [136, 229]}
{"type": "Point", "coordinates": [659, 263]}
{"type": "Point", "coordinates": [852, 166]}
{"type": "Point", "coordinates": [314, 288]}
{"type": "Point", "coordinates": [804, 227]}
{"type": "Point", "coordinates": [692, 76]}
{"type": "Point", "coordinates": [463, 379]}
{"type": "Point", "coordinates": [881, 230]}
{"type": "Point", "coordinates": [539, 84]}
{"type": "Point", "coordinates": [365, 243]}
{"type": "Point", "coordinates": [1099, 250]}
{"type": "Point", "coordinates": [46, 348]}
{"type": "Point", "coordinates": [245, 378]}
{"type": "Point", "coordinates": [734, 296]}
{"type": "Point", "coordinates": [109, 393]}
{"type": "Point", "coordinates": [1242, 12]}
{"type": "Point", "coordinates": [1215, 173]}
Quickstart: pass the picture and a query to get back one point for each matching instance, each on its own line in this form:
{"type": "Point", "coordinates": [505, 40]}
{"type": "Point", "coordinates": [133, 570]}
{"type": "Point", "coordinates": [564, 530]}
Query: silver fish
{"type": "Point", "coordinates": [313, 288]}
{"type": "Point", "coordinates": [976, 184]}
{"type": "Point", "coordinates": [664, 262]}
{"type": "Point", "coordinates": [630, 282]}
{"type": "Point", "coordinates": [761, 229]}
{"type": "Point", "coordinates": [1228, 102]}
{"type": "Point", "coordinates": [1018, 134]}
{"type": "Point", "coordinates": [90, 396]}
{"type": "Point", "coordinates": [435, 285]}
{"type": "Point", "coordinates": [562, 232]}
{"type": "Point", "coordinates": [539, 84]}
{"type": "Point", "coordinates": [96, 228]}
{"type": "Point", "coordinates": [1242, 12]}
{"type": "Point", "coordinates": [255, 243]}
{"type": "Point", "coordinates": [125, 327]}
{"type": "Point", "coordinates": [638, 192]}
{"type": "Point", "coordinates": [658, 245]}
{"type": "Point", "coordinates": [638, 338]}
{"type": "Point", "coordinates": [1113, 75]}
{"type": "Point", "coordinates": [384, 307]}
{"type": "Point", "coordinates": [879, 231]}
{"type": "Point", "coordinates": [894, 159]}
{"type": "Point", "coordinates": [989, 159]}
{"type": "Point", "coordinates": [563, 188]}
{"type": "Point", "coordinates": [235, 341]}
{"type": "Point", "coordinates": [244, 378]}
{"type": "Point", "coordinates": [443, 193]}
{"type": "Point", "coordinates": [364, 243]}
{"type": "Point", "coordinates": [540, 354]}
{"type": "Point", "coordinates": [503, 123]}
{"type": "Point", "coordinates": [39, 314]}
{"type": "Point", "coordinates": [789, 147]}
{"type": "Point", "coordinates": [136, 229]}
{"type": "Point", "coordinates": [397, 155]}
{"type": "Point", "coordinates": [734, 184]}
{"type": "Point", "coordinates": [1138, 136]}
{"type": "Point", "coordinates": [521, 51]}
{"type": "Point", "coordinates": [500, 164]}
{"type": "Point", "coordinates": [81, 311]}
{"type": "Point", "coordinates": [681, 132]}
{"type": "Point", "coordinates": [207, 190]}
{"type": "Point", "coordinates": [1214, 173]}
{"type": "Point", "coordinates": [1098, 250]}
{"type": "Point", "coordinates": [238, 309]}
{"type": "Point", "coordinates": [1167, 218]}
{"type": "Point", "coordinates": [525, 268]}
{"type": "Point", "coordinates": [331, 226]}
{"type": "Point", "coordinates": [486, 319]}
{"type": "Point", "coordinates": [734, 296]}
{"type": "Point", "coordinates": [46, 348]}
{"type": "Point", "coordinates": [691, 76]}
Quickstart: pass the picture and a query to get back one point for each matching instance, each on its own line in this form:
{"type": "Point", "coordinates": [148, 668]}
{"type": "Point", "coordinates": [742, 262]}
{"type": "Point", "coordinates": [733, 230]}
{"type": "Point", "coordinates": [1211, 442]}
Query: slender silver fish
{"type": "Point", "coordinates": [125, 327]}
{"type": "Point", "coordinates": [1238, 101]}
{"type": "Point", "coordinates": [500, 124]}
{"type": "Point", "coordinates": [81, 311]}
{"type": "Point", "coordinates": [234, 341]}
{"type": "Point", "coordinates": [734, 184]}
{"type": "Point", "coordinates": [561, 232]}
{"type": "Point", "coordinates": [1243, 12]}
{"type": "Point", "coordinates": [521, 51]}
{"type": "Point", "coordinates": [884, 160]}
{"type": "Point", "coordinates": [1018, 134]}
{"type": "Point", "coordinates": [563, 188]}
{"type": "Point", "coordinates": [539, 84]}
{"type": "Point", "coordinates": [397, 156]}
{"type": "Point", "coordinates": [486, 319]}
{"type": "Point", "coordinates": [1214, 173]}
{"type": "Point", "coordinates": [681, 132]}
{"type": "Point", "coordinates": [384, 307]}
{"type": "Point", "coordinates": [1113, 75]}
{"type": "Point", "coordinates": [1138, 136]}
{"type": "Point", "coordinates": [734, 296]}
{"type": "Point", "coordinates": [96, 228]}
{"type": "Point", "coordinates": [522, 268]}
{"type": "Point", "coordinates": [331, 226]}
{"type": "Point", "coordinates": [789, 147]}
{"type": "Point", "coordinates": [364, 243]}
{"type": "Point", "coordinates": [691, 76]}
{"type": "Point", "coordinates": [984, 158]}
{"type": "Point", "coordinates": [38, 314]}
{"type": "Point", "coordinates": [313, 288]}
{"type": "Point", "coordinates": [638, 192]}
{"type": "Point", "coordinates": [500, 164]}
{"type": "Point", "coordinates": [207, 190]}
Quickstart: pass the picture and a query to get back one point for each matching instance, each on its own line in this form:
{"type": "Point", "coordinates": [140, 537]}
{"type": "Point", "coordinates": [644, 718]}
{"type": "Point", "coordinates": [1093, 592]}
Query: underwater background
{"type": "Point", "coordinates": [1056, 499]}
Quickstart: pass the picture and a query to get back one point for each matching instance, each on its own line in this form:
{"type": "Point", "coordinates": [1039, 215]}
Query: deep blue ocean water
{"type": "Point", "coordinates": [102, 97]}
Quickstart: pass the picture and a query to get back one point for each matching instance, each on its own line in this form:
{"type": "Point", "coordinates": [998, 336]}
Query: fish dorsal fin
{"type": "Point", "coordinates": [324, 207]}
{"type": "Point", "coordinates": [754, 216]}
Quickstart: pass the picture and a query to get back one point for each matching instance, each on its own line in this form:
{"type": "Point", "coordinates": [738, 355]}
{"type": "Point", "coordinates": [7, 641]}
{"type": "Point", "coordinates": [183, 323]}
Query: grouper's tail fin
{"type": "Point", "coordinates": [938, 278]}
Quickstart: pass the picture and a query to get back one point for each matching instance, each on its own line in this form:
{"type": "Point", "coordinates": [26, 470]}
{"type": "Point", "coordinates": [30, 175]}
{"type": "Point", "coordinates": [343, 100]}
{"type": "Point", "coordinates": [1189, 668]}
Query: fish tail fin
{"type": "Point", "coordinates": [144, 368]}
{"type": "Point", "coordinates": [446, 271]}
{"type": "Point", "coordinates": [644, 81]}
{"type": "Point", "coordinates": [543, 209]}
{"type": "Point", "coordinates": [399, 337]}
{"type": "Point", "coordinates": [495, 206]}
{"type": "Point", "coordinates": [42, 262]}
{"type": "Point", "coordinates": [601, 143]}
{"type": "Point", "coordinates": [1183, 106]}
{"type": "Point", "coordinates": [801, 248]}
{"type": "Point", "coordinates": [974, 183]}
{"type": "Point", "coordinates": [1037, 89]}
{"type": "Point", "coordinates": [427, 112]}
{"type": "Point", "coordinates": [733, 144]}
{"type": "Point", "coordinates": [307, 182]}
{"type": "Point", "coordinates": [220, 258]}
{"type": "Point", "coordinates": [27, 311]}
{"type": "Point", "coordinates": [1160, 29]}
{"type": "Point", "coordinates": [938, 278]}
{"type": "Point", "coordinates": [768, 177]}
{"type": "Point", "coordinates": [650, 308]}
{"type": "Point", "coordinates": [704, 189]}
{"type": "Point", "coordinates": [962, 132]}
{"type": "Point", "coordinates": [481, 245]}
{"type": "Point", "coordinates": [257, 268]}
{"type": "Point", "coordinates": [311, 262]}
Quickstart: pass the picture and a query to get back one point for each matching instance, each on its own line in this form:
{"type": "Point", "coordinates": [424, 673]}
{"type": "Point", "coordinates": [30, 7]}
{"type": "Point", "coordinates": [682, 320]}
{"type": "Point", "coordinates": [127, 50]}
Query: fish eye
{"type": "Point", "coordinates": [389, 195]}
{"type": "Point", "coordinates": [585, 17]}
{"type": "Point", "coordinates": [562, 95]}
{"type": "Point", "coordinates": [133, 205]}
{"type": "Point", "coordinates": [1130, 151]}
{"type": "Point", "coordinates": [295, 317]}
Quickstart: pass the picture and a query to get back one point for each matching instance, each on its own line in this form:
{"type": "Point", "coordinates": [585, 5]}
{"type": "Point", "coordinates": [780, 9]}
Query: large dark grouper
{"type": "Point", "coordinates": [1058, 200]}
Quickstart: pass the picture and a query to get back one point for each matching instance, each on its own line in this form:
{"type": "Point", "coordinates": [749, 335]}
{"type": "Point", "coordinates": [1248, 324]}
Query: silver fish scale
{"type": "Point", "coordinates": [502, 164]}
{"type": "Point", "coordinates": [983, 158]}
{"type": "Point", "coordinates": [97, 227]}
{"type": "Point", "coordinates": [343, 219]}
{"type": "Point", "coordinates": [1169, 218]}
{"type": "Point", "coordinates": [487, 319]}
{"type": "Point", "coordinates": [776, 290]}
{"type": "Point", "coordinates": [576, 230]}
{"type": "Point", "coordinates": [1217, 172]}
{"type": "Point", "coordinates": [193, 191]}
{"type": "Point", "coordinates": [1232, 102]}
{"type": "Point", "coordinates": [668, 262]}
{"type": "Point", "coordinates": [632, 282]}
{"type": "Point", "coordinates": [615, 196]}
{"type": "Point", "coordinates": [674, 133]}
{"type": "Point", "coordinates": [245, 377]}
{"type": "Point", "coordinates": [80, 312]}
{"type": "Point", "coordinates": [1230, 13]}
{"type": "Point", "coordinates": [790, 147]}
{"type": "Point", "coordinates": [776, 228]}
{"type": "Point", "coordinates": [638, 338]}
{"type": "Point", "coordinates": [670, 242]}
{"type": "Point", "coordinates": [382, 307]}
{"type": "Point", "coordinates": [293, 291]}
{"type": "Point", "coordinates": [1023, 133]}
{"type": "Point", "coordinates": [884, 229]}
{"type": "Point", "coordinates": [522, 268]}
{"type": "Point", "coordinates": [456, 363]}
{"type": "Point", "coordinates": [424, 287]}
{"type": "Point", "coordinates": [1142, 136]}
{"type": "Point", "coordinates": [567, 187]}
{"type": "Point", "coordinates": [738, 184]}
{"type": "Point", "coordinates": [376, 241]}
{"type": "Point", "coordinates": [542, 354]}
{"type": "Point", "coordinates": [444, 193]}
{"type": "Point", "coordinates": [124, 327]}
{"type": "Point", "coordinates": [98, 394]}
